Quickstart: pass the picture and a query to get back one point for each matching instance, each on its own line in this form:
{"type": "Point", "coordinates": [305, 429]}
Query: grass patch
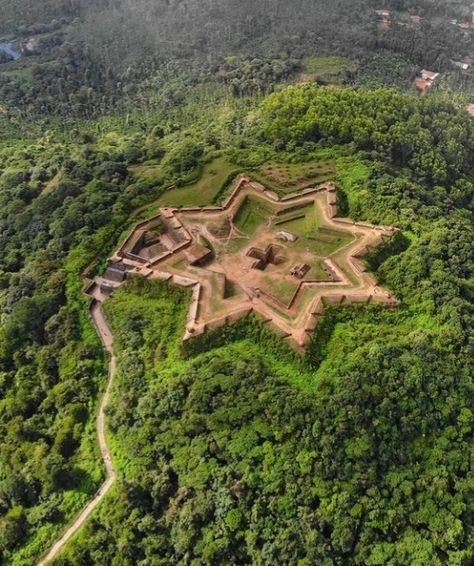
{"type": "Point", "coordinates": [302, 224]}
{"type": "Point", "coordinates": [327, 241]}
{"type": "Point", "coordinates": [149, 171]}
{"type": "Point", "coordinates": [323, 242]}
{"type": "Point", "coordinates": [328, 68]}
{"type": "Point", "coordinates": [252, 213]}
{"type": "Point", "coordinates": [318, 273]}
{"type": "Point", "coordinates": [202, 192]}
{"type": "Point", "coordinates": [289, 177]}
{"type": "Point", "coordinates": [280, 288]}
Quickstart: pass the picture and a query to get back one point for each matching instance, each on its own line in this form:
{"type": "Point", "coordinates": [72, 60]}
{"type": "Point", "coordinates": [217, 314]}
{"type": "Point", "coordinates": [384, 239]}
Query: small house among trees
{"type": "Point", "coordinates": [383, 16]}
{"type": "Point", "coordinates": [429, 76]}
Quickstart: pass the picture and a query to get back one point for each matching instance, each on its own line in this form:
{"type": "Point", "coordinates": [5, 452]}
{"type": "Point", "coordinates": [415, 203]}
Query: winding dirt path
{"type": "Point", "coordinates": [106, 337]}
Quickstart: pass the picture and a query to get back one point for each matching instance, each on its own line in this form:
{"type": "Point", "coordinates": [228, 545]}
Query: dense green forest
{"type": "Point", "coordinates": [236, 450]}
{"type": "Point", "coordinates": [380, 451]}
{"type": "Point", "coordinates": [87, 58]}
{"type": "Point", "coordinates": [233, 457]}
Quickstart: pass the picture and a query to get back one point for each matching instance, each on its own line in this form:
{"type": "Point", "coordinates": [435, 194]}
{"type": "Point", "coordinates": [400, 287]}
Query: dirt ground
{"type": "Point", "coordinates": [422, 85]}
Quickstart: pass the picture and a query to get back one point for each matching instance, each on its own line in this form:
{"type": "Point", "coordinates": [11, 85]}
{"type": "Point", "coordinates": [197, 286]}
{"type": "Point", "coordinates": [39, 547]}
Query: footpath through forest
{"type": "Point", "coordinates": [106, 337]}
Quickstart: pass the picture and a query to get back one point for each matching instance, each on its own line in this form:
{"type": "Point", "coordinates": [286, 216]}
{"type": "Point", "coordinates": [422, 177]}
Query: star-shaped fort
{"type": "Point", "coordinates": [283, 258]}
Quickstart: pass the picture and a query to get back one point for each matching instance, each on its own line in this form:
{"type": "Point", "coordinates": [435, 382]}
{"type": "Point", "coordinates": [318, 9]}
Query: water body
{"type": "Point", "coordinates": [9, 49]}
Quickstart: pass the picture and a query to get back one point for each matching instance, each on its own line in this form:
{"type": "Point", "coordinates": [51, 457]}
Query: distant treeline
{"type": "Point", "coordinates": [107, 52]}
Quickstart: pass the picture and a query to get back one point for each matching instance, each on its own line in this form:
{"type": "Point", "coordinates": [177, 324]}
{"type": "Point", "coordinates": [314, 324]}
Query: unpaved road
{"type": "Point", "coordinates": [107, 341]}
